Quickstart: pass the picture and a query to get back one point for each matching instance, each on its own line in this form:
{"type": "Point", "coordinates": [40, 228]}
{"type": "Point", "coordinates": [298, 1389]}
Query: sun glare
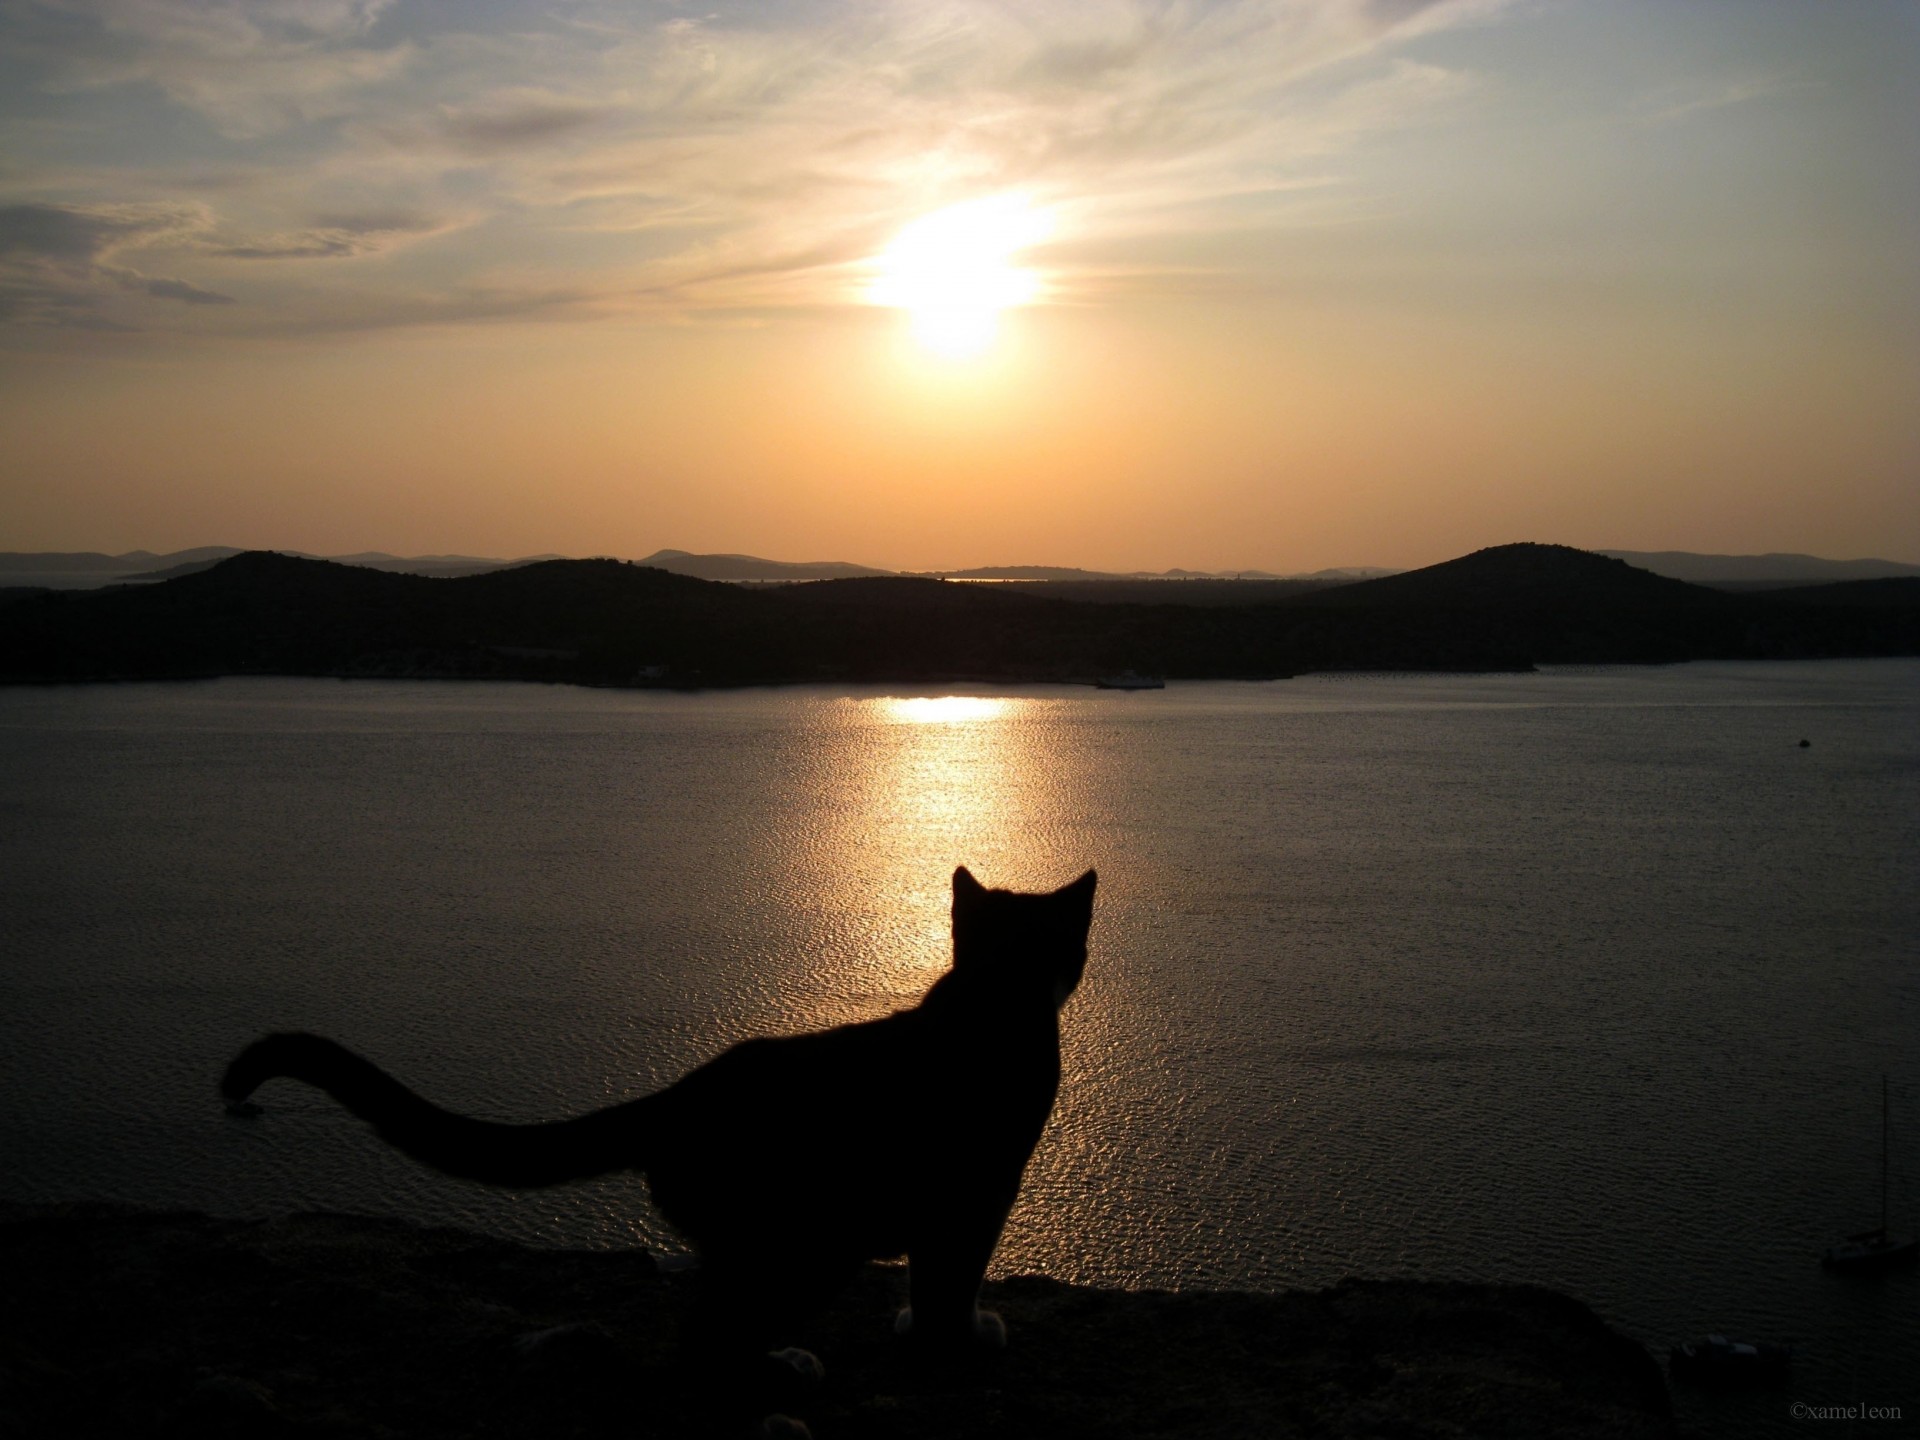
{"type": "Point", "coordinates": [944, 709]}
{"type": "Point", "coordinates": [953, 272]}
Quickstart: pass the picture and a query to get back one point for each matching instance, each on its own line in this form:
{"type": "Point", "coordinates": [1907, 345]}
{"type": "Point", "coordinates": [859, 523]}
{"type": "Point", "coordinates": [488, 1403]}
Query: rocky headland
{"type": "Point", "coordinates": [129, 1323]}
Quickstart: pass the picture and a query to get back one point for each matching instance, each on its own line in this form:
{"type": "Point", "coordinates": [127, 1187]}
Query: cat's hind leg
{"type": "Point", "coordinates": [747, 1306]}
{"type": "Point", "coordinates": [943, 1286]}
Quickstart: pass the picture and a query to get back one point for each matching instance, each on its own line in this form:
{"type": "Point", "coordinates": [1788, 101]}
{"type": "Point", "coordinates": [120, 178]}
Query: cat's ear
{"type": "Point", "coordinates": [967, 895]}
{"type": "Point", "coordinates": [1083, 886]}
{"type": "Point", "coordinates": [1080, 893]}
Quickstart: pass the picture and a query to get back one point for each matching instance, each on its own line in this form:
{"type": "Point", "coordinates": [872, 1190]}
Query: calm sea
{"type": "Point", "coordinates": [1585, 978]}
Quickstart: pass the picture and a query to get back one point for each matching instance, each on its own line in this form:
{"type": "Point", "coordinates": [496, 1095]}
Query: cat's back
{"type": "Point", "coordinates": [938, 1069]}
{"type": "Point", "coordinates": [855, 1067]}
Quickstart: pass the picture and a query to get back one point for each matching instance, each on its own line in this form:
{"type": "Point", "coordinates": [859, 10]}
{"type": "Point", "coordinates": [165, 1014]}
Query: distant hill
{"type": "Point", "coordinates": [81, 561]}
{"type": "Point", "coordinates": [752, 567]}
{"type": "Point", "coordinates": [86, 570]}
{"type": "Point", "coordinates": [1757, 570]}
{"type": "Point", "coordinates": [612, 622]}
{"type": "Point", "coordinates": [1525, 574]}
{"type": "Point", "coordinates": [1515, 606]}
{"type": "Point", "coordinates": [442, 566]}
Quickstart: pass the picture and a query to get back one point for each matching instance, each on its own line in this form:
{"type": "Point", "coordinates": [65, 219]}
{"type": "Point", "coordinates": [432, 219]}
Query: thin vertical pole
{"type": "Point", "coordinates": [1883, 1154]}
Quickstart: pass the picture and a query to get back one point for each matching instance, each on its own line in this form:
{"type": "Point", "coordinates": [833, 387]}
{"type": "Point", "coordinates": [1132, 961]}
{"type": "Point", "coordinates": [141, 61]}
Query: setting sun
{"type": "Point", "coordinates": [953, 271]}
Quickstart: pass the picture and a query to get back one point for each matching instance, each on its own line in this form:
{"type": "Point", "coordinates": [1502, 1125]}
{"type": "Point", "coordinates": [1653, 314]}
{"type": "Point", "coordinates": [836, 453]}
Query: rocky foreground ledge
{"type": "Point", "coordinates": [120, 1322]}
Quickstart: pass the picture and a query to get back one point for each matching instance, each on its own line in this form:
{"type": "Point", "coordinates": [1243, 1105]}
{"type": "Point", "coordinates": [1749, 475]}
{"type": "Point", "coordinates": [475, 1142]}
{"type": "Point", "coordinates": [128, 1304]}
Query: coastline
{"type": "Point", "coordinates": [603, 623]}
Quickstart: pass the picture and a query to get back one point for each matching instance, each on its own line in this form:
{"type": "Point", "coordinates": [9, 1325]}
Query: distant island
{"type": "Point", "coordinates": [610, 622]}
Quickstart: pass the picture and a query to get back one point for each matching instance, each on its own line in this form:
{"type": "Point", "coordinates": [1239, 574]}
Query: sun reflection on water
{"type": "Point", "coordinates": [944, 709]}
{"type": "Point", "coordinates": [999, 783]}
{"type": "Point", "coordinates": [947, 778]}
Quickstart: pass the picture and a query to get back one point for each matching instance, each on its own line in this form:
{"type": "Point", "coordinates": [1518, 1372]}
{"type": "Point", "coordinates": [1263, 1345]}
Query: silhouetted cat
{"type": "Point", "coordinates": [789, 1162]}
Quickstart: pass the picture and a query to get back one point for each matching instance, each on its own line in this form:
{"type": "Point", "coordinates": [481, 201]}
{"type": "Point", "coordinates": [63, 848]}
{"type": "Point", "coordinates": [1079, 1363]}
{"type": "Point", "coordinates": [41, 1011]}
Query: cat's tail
{"type": "Point", "coordinates": [517, 1155]}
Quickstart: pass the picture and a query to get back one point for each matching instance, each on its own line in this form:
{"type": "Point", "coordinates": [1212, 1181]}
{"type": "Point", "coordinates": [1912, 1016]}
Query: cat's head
{"type": "Point", "coordinates": [1038, 940]}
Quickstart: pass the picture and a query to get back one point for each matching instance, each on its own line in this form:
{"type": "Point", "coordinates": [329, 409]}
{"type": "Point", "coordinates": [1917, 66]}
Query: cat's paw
{"type": "Point", "coordinates": [784, 1427]}
{"type": "Point", "coordinates": [803, 1363]}
{"type": "Point", "coordinates": [989, 1330]}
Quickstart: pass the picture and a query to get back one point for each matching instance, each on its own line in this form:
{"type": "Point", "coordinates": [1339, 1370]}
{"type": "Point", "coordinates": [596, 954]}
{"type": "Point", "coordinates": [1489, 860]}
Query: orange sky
{"type": "Point", "coordinates": [1307, 284]}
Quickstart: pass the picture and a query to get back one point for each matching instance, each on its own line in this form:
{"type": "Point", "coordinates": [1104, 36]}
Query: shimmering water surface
{"type": "Point", "coordinates": [1585, 978]}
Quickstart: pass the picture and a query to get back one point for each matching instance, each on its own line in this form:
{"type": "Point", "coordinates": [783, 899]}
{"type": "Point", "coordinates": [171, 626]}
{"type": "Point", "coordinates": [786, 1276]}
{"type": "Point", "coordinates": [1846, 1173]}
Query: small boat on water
{"type": "Point", "coordinates": [1878, 1249]}
{"type": "Point", "coordinates": [1129, 680]}
{"type": "Point", "coordinates": [1716, 1360]}
{"type": "Point", "coordinates": [1872, 1250]}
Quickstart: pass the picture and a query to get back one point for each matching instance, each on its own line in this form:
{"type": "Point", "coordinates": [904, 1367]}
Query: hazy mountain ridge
{"type": "Point", "coordinates": [613, 622]}
{"type": "Point", "coordinates": [1771, 569]}
{"type": "Point", "coordinates": [85, 569]}
{"type": "Point", "coordinates": [752, 567]}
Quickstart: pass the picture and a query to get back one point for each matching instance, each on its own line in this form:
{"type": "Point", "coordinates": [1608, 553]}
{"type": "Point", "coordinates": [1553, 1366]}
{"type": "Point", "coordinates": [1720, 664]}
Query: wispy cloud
{"type": "Point", "coordinates": [749, 157]}
{"type": "Point", "coordinates": [1666, 109]}
{"type": "Point", "coordinates": [164, 289]}
{"type": "Point", "coordinates": [248, 66]}
{"type": "Point", "coordinates": [76, 238]}
{"type": "Point", "coordinates": [516, 125]}
{"type": "Point", "coordinates": [331, 237]}
{"type": "Point", "coordinates": [55, 262]}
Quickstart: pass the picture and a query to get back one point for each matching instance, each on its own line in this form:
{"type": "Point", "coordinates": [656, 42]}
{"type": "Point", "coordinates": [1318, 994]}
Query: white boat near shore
{"type": "Point", "coordinates": [1879, 1248]}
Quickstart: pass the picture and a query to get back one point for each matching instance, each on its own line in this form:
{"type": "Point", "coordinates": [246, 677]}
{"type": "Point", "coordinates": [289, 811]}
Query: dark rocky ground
{"type": "Point", "coordinates": [125, 1323]}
